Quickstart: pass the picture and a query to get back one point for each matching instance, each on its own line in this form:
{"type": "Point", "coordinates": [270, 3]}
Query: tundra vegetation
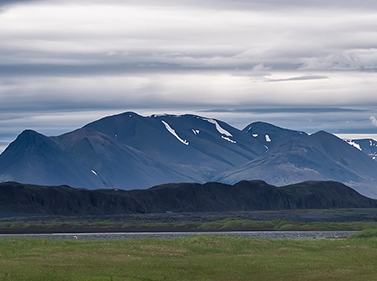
{"type": "Point", "coordinates": [336, 219]}
{"type": "Point", "coordinates": [221, 225]}
{"type": "Point", "coordinates": [205, 257]}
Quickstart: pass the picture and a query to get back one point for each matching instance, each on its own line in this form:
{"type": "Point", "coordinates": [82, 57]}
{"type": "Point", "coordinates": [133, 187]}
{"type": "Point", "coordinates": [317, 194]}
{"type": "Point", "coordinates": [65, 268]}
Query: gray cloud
{"type": "Point", "coordinates": [264, 5]}
{"type": "Point", "coordinates": [289, 110]}
{"type": "Point", "coordinates": [102, 57]}
{"type": "Point", "coordinates": [13, 2]}
{"type": "Point", "coordinates": [300, 78]}
{"type": "Point", "coordinates": [7, 4]}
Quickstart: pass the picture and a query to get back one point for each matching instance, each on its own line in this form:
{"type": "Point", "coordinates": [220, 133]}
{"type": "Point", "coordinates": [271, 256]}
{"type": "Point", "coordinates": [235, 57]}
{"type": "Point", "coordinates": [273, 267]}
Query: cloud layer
{"type": "Point", "coordinates": [86, 58]}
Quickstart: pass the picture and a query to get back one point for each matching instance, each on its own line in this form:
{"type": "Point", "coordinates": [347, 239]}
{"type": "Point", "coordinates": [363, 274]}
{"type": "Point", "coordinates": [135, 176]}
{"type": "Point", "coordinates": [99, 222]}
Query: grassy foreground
{"type": "Point", "coordinates": [194, 258]}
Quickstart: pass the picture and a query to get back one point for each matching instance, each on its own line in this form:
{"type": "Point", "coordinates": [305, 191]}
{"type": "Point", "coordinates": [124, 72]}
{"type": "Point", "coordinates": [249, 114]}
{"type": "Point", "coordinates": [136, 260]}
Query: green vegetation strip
{"type": "Point", "coordinates": [226, 224]}
{"type": "Point", "coordinates": [195, 258]}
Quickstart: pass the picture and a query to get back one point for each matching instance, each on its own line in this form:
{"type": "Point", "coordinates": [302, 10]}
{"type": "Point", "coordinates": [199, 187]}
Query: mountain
{"type": "Point", "coordinates": [129, 151]}
{"type": "Point", "coordinates": [186, 140]}
{"type": "Point", "coordinates": [320, 156]}
{"type": "Point", "coordinates": [270, 135]}
{"type": "Point", "coordinates": [184, 197]}
{"type": "Point", "coordinates": [37, 159]}
{"type": "Point", "coordinates": [368, 146]}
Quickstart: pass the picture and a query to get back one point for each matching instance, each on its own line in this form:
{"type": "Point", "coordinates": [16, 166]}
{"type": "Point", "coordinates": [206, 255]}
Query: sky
{"type": "Point", "coordinates": [303, 65]}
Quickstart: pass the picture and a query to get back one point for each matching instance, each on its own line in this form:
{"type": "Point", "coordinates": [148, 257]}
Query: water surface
{"type": "Point", "coordinates": [135, 235]}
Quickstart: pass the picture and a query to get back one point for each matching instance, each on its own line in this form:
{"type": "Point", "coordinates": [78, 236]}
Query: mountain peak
{"type": "Point", "coordinates": [323, 135]}
{"type": "Point", "coordinates": [28, 133]}
{"type": "Point", "coordinates": [115, 119]}
{"type": "Point", "coordinates": [28, 138]}
{"type": "Point", "coordinates": [270, 135]}
{"type": "Point", "coordinates": [259, 126]}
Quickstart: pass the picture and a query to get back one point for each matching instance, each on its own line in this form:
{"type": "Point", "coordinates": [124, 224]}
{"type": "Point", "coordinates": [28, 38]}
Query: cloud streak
{"type": "Point", "coordinates": [300, 78]}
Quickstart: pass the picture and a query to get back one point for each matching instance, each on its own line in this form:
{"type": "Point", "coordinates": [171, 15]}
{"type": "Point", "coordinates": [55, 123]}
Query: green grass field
{"type": "Point", "coordinates": [194, 258]}
{"type": "Point", "coordinates": [225, 224]}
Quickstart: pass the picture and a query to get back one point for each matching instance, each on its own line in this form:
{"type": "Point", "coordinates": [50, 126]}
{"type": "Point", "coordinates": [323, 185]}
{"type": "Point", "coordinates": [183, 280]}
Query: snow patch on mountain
{"type": "Point", "coordinates": [196, 132]}
{"type": "Point", "coordinates": [268, 139]}
{"type": "Point", "coordinates": [94, 172]}
{"type": "Point", "coordinates": [159, 115]}
{"type": "Point", "coordinates": [228, 139]}
{"type": "Point", "coordinates": [351, 142]}
{"type": "Point", "coordinates": [255, 135]}
{"type": "Point", "coordinates": [172, 131]}
{"type": "Point", "coordinates": [218, 127]}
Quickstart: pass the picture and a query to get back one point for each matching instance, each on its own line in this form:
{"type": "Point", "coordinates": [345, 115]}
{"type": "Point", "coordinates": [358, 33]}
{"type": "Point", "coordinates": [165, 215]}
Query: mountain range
{"type": "Point", "coordinates": [129, 151]}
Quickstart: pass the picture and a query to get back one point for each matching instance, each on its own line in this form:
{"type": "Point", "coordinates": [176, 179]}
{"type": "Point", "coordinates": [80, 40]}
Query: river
{"type": "Point", "coordinates": [133, 235]}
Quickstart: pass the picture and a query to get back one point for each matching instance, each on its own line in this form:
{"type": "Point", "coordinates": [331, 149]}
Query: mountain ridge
{"type": "Point", "coordinates": [130, 151]}
{"type": "Point", "coordinates": [320, 156]}
{"type": "Point", "coordinates": [179, 197]}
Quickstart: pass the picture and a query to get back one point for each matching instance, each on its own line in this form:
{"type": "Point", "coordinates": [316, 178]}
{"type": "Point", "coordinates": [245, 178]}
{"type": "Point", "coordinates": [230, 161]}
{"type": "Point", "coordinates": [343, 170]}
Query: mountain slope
{"type": "Point", "coordinates": [115, 164]}
{"type": "Point", "coordinates": [320, 156]}
{"type": "Point", "coordinates": [35, 158]}
{"type": "Point", "coordinates": [368, 146]}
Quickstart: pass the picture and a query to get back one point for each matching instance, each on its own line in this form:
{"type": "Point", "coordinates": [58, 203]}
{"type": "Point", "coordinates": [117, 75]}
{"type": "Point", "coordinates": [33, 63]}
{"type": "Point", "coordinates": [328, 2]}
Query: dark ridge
{"type": "Point", "coordinates": [180, 197]}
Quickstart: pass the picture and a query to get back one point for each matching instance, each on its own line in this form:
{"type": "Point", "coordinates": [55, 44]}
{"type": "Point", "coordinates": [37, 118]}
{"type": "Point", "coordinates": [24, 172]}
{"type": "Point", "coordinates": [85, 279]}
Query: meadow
{"type": "Point", "coordinates": [205, 257]}
{"type": "Point", "coordinates": [227, 224]}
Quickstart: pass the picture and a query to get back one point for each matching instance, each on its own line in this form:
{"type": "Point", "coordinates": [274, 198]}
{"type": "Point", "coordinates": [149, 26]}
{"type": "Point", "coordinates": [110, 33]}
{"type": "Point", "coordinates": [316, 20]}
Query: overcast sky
{"type": "Point", "coordinates": [306, 66]}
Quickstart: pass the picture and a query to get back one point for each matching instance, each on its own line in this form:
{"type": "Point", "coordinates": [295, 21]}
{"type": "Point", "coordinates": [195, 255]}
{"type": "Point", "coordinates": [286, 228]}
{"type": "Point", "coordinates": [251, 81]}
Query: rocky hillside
{"type": "Point", "coordinates": [182, 197]}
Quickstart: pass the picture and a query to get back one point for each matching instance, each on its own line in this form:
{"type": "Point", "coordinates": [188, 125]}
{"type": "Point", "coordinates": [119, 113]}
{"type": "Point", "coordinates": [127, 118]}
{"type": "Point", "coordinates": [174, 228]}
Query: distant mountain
{"type": "Point", "coordinates": [129, 151]}
{"type": "Point", "coordinates": [270, 135]}
{"type": "Point", "coordinates": [184, 197]}
{"type": "Point", "coordinates": [321, 156]}
{"type": "Point", "coordinates": [201, 146]}
{"type": "Point", "coordinates": [35, 158]}
{"type": "Point", "coordinates": [143, 151]}
{"type": "Point", "coordinates": [368, 146]}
